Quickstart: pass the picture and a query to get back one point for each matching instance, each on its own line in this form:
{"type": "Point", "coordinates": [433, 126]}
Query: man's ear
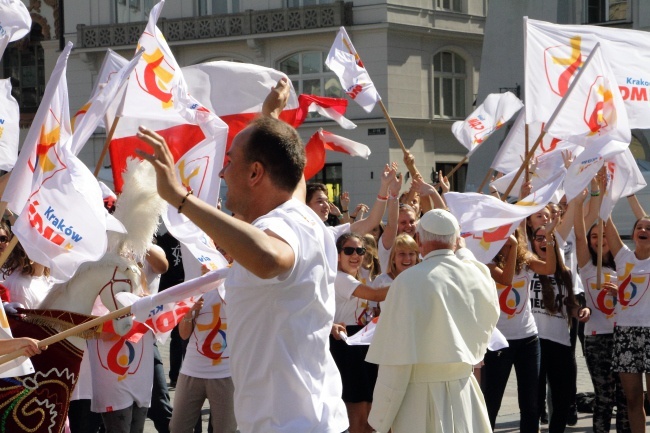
{"type": "Point", "coordinates": [257, 172]}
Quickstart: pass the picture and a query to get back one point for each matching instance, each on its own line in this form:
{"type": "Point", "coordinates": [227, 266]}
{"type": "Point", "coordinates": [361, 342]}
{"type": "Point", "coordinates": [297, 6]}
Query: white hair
{"type": "Point", "coordinates": [425, 236]}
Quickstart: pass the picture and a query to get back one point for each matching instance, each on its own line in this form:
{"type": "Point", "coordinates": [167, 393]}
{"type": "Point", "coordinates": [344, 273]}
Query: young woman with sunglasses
{"type": "Point", "coordinates": [599, 331]}
{"type": "Point", "coordinates": [632, 330]}
{"type": "Point", "coordinates": [553, 303]}
{"type": "Point", "coordinates": [353, 311]}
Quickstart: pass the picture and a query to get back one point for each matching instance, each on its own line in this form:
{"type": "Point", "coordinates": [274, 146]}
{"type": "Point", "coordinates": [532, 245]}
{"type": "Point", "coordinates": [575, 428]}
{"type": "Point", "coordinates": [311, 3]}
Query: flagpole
{"type": "Point", "coordinates": [485, 180]}
{"type": "Point", "coordinates": [453, 170]}
{"type": "Point", "coordinates": [599, 261]}
{"type": "Point", "coordinates": [523, 165]}
{"type": "Point", "coordinates": [411, 166]}
{"type": "Point", "coordinates": [70, 332]}
{"type": "Point", "coordinates": [109, 137]}
{"type": "Point", "coordinates": [526, 146]}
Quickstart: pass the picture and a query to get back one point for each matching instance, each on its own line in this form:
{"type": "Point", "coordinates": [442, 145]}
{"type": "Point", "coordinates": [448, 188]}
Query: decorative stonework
{"type": "Point", "coordinates": [45, 27]}
{"type": "Point", "coordinates": [249, 22]}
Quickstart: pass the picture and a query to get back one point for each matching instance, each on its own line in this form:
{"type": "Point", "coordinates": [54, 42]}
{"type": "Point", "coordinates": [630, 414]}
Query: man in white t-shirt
{"type": "Point", "coordinates": [280, 291]}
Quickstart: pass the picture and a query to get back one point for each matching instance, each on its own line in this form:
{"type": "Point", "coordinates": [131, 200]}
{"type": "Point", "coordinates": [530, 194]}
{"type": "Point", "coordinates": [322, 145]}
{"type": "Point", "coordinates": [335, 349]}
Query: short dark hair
{"type": "Point", "coordinates": [279, 148]}
{"type": "Point", "coordinates": [312, 188]}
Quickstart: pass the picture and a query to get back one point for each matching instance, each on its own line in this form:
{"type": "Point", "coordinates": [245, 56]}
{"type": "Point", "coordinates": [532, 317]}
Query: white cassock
{"type": "Point", "coordinates": [435, 325]}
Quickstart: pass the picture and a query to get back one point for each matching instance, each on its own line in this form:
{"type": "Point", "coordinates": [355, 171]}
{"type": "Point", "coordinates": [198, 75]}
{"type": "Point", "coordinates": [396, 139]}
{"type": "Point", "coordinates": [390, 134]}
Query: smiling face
{"type": "Point", "coordinates": [641, 234]}
{"type": "Point", "coordinates": [404, 259]}
{"type": "Point", "coordinates": [320, 204]}
{"type": "Point", "coordinates": [350, 264]}
{"type": "Point", "coordinates": [406, 222]}
{"type": "Point", "coordinates": [539, 242]}
{"type": "Point", "coordinates": [593, 240]}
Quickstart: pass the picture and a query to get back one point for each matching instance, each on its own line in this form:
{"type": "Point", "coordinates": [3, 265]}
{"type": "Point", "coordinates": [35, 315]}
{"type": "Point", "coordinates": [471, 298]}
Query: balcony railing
{"type": "Point", "coordinates": [249, 22]}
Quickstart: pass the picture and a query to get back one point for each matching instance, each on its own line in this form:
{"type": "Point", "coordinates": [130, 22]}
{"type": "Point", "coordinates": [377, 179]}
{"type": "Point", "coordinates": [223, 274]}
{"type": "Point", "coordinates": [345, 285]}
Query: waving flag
{"type": "Point", "coordinates": [235, 92]}
{"type": "Point", "coordinates": [15, 22]}
{"type": "Point", "coordinates": [554, 54]}
{"type": "Point", "coordinates": [477, 212]}
{"type": "Point", "coordinates": [9, 126]}
{"type": "Point", "coordinates": [486, 244]}
{"type": "Point", "coordinates": [322, 140]}
{"type": "Point", "coordinates": [61, 222]}
{"type": "Point", "coordinates": [592, 110]}
{"type": "Point", "coordinates": [491, 115]}
{"type": "Point", "coordinates": [344, 61]}
{"type": "Point", "coordinates": [111, 65]}
{"type": "Point", "coordinates": [624, 178]}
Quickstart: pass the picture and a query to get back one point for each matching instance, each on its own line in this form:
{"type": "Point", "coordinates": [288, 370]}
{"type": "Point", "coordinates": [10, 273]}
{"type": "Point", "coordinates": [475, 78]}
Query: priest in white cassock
{"type": "Point", "coordinates": [435, 325]}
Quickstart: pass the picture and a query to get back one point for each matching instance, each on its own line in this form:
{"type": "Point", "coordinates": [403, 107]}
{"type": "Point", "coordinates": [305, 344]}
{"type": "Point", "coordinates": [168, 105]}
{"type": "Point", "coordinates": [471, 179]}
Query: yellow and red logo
{"type": "Point", "coordinates": [599, 112]}
{"type": "Point", "coordinates": [561, 64]}
{"type": "Point", "coordinates": [632, 287]}
{"type": "Point", "coordinates": [513, 298]}
{"type": "Point", "coordinates": [603, 301]}
{"type": "Point", "coordinates": [156, 78]}
{"type": "Point", "coordinates": [215, 342]}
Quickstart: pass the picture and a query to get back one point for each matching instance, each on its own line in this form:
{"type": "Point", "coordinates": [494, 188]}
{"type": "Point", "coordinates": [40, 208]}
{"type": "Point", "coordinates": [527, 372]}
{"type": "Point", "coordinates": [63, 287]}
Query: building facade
{"type": "Point", "coordinates": [423, 57]}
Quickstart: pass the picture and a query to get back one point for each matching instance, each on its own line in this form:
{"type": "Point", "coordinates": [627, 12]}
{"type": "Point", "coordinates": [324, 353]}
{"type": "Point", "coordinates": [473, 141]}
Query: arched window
{"type": "Point", "coordinates": [449, 85]}
{"type": "Point", "coordinates": [23, 62]}
{"type": "Point", "coordinates": [309, 74]}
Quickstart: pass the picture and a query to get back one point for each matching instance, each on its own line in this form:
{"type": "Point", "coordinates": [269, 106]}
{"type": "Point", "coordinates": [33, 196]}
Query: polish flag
{"type": "Point", "coordinates": [322, 140]}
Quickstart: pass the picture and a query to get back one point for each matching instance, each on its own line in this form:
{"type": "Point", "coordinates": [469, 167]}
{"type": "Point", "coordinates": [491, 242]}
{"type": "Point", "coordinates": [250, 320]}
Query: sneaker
{"type": "Point", "coordinates": [572, 419]}
{"type": "Point", "coordinates": [172, 384]}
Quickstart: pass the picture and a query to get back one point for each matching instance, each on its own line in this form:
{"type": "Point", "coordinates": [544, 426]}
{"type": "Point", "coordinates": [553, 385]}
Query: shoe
{"type": "Point", "coordinates": [572, 419]}
{"type": "Point", "coordinates": [172, 384]}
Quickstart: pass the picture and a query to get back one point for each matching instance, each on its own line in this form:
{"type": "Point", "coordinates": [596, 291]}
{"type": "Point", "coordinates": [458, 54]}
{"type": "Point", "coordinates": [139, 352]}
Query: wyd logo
{"type": "Point", "coordinates": [632, 288]}
{"type": "Point", "coordinates": [215, 342]}
{"type": "Point", "coordinates": [47, 158]}
{"type": "Point", "coordinates": [513, 298]}
{"type": "Point", "coordinates": [123, 357]}
{"type": "Point", "coordinates": [561, 64]}
{"type": "Point", "coordinates": [599, 110]}
{"type": "Point", "coordinates": [603, 301]}
{"type": "Point", "coordinates": [492, 235]}
{"type": "Point", "coordinates": [156, 77]}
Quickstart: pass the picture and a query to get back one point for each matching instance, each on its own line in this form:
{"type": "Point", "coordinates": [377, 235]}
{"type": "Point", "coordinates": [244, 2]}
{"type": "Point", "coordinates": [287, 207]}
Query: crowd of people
{"type": "Point", "coordinates": [273, 355]}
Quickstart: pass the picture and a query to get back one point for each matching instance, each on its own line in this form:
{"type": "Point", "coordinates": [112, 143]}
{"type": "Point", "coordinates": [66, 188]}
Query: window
{"type": "Point", "coordinates": [300, 3]}
{"type": "Point", "coordinates": [457, 181]}
{"type": "Point", "coordinates": [449, 84]}
{"type": "Point", "coordinates": [23, 62]}
{"type": "Point", "coordinates": [602, 11]}
{"type": "Point", "coordinates": [450, 5]}
{"type": "Point", "coordinates": [218, 7]}
{"type": "Point", "coordinates": [309, 74]}
{"type": "Point", "coordinates": [131, 11]}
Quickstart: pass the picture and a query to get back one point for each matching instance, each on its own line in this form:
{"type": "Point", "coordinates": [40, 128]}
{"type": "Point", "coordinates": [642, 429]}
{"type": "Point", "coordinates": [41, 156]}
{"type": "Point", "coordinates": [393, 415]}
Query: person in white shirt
{"type": "Point", "coordinates": [280, 288]}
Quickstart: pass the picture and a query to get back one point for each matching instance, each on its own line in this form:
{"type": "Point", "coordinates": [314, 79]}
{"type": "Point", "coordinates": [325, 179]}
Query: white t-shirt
{"type": "Point", "coordinates": [285, 377]}
{"type": "Point", "coordinates": [381, 280]}
{"type": "Point", "coordinates": [208, 350]}
{"type": "Point", "coordinates": [122, 373]}
{"type": "Point", "coordinates": [602, 305]}
{"type": "Point", "coordinates": [383, 254]}
{"type": "Point", "coordinates": [29, 291]}
{"type": "Point", "coordinates": [516, 319]}
{"type": "Point", "coordinates": [633, 283]}
{"type": "Point", "coordinates": [554, 327]}
{"type": "Point", "coordinates": [350, 309]}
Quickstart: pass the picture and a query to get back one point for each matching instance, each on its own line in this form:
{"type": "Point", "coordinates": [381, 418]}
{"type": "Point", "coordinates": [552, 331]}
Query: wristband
{"type": "Point", "coordinates": [187, 320]}
{"type": "Point", "coordinates": [550, 243]}
{"type": "Point", "coordinates": [382, 197]}
{"type": "Point", "coordinates": [344, 211]}
{"type": "Point", "coordinates": [340, 217]}
{"type": "Point", "coordinates": [392, 197]}
{"type": "Point", "coordinates": [180, 206]}
{"type": "Point", "coordinates": [595, 193]}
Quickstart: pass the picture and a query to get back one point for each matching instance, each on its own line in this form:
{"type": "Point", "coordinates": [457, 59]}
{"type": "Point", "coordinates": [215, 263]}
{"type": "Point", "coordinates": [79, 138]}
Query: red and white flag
{"type": "Point", "coordinates": [477, 212]}
{"type": "Point", "coordinates": [323, 140]}
{"type": "Point", "coordinates": [9, 126]}
{"type": "Point", "coordinates": [15, 22]}
{"type": "Point", "coordinates": [486, 244]}
{"type": "Point", "coordinates": [364, 336]}
{"type": "Point", "coordinates": [345, 62]}
{"type": "Point", "coordinates": [592, 110]}
{"type": "Point", "coordinates": [61, 218]}
{"type": "Point", "coordinates": [555, 53]}
{"type": "Point", "coordinates": [488, 117]}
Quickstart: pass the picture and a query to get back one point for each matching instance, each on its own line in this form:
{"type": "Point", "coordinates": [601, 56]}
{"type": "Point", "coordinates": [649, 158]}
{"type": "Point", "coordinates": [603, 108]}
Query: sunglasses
{"type": "Point", "coordinates": [4, 239]}
{"type": "Point", "coordinates": [348, 251]}
{"type": "Point", "coordinates": [540, 238]}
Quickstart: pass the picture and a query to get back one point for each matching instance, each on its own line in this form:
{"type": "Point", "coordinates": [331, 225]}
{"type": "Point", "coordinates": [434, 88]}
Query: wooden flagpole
{"type": "Point", "coordinates": [411, 167]}
{"type": "Point", "coordinates": [599, 260]}
{"type": "Point", "coordinates": [485, 180]}
{"type": "Point", "coordinates": [523, 165]}
{"type": "Point", "coordinates": [109, 137]}
{"type": "Point", "coordinates": [71, 332]}
{"type": "Point", "coordinates": [526, 146]}
{"type": "Point", "coordinates": [453, 170]}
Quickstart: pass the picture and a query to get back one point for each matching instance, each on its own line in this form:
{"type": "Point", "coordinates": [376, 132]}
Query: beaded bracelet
{"type": "Point", "coordinates": [180, 206]}
{"type": "Point", "coordinates": [382, 197]}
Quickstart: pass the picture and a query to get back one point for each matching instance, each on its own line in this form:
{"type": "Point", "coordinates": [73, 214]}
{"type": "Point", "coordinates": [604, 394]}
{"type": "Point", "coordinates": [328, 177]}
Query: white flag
{"type": "Point", "coordinates": [15, 22]}
{"type": "Point", "coordinates": [477, 212]}
{"type": "Point", "coordinates": [344, 61]}
{"type": "Point", "coordinates": [491, 115]}
{"type": "Point", "coordinates": [623, 178]}
{"type": "Point", "coordinates": [9, 126]}
{"type": "Point", "coordinates": [554, 54]}
{"type": "Point", "coordinates": [487, 243]}
{"type": "Point", "coordinates": [592, 110]}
